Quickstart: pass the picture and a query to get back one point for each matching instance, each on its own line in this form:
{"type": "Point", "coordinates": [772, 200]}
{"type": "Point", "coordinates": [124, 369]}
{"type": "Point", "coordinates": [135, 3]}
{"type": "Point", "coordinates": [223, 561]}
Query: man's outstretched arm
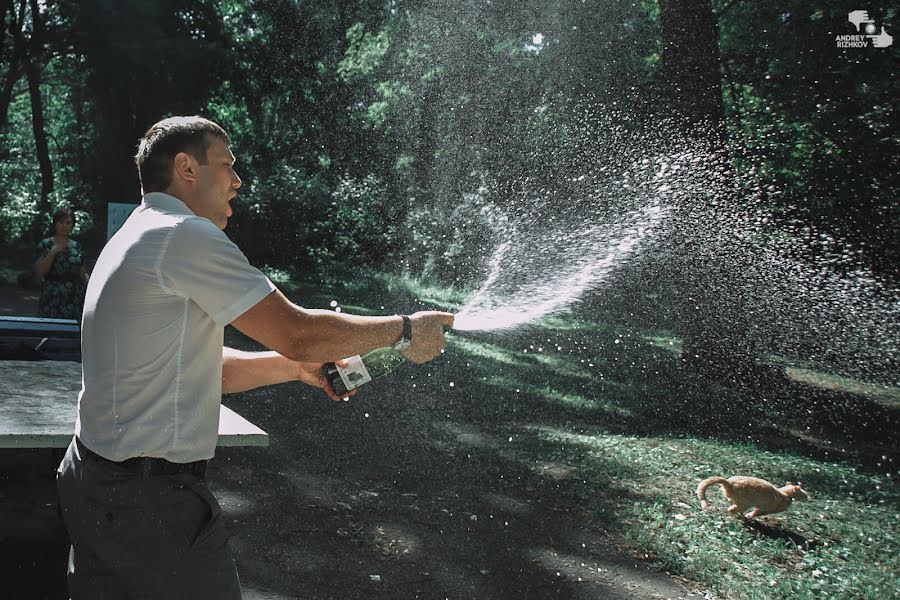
{"type": "Point", "coordinates": [310, 335]}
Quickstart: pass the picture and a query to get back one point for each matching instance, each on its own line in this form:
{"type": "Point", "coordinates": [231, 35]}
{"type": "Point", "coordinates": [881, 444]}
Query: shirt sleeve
{"type": "Point", "coordinates": [200, 262]}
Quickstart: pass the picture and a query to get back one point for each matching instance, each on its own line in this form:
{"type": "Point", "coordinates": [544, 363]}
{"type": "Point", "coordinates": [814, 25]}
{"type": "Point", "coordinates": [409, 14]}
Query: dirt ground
{"type": "Point", "coordinates": [401, 492]}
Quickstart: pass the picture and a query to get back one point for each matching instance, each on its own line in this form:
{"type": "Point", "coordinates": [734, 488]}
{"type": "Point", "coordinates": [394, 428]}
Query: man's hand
{"type": "Point", "coordinates": [311, 373]}
{"type": "Point", "coordinates": [857, 17]}
{"type": "Point", "coordinates": [428, 335]}
{"type": "Point", "coordinates": [242, 371]}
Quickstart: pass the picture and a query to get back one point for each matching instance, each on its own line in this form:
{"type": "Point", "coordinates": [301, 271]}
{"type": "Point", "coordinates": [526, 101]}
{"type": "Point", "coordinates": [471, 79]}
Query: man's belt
{"type": "Point", "coordinates": [147, 466]}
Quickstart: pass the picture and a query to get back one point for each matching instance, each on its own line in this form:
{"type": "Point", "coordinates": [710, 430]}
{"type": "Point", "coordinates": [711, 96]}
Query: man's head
{"type": "Point", "coordinates": [190, 158]}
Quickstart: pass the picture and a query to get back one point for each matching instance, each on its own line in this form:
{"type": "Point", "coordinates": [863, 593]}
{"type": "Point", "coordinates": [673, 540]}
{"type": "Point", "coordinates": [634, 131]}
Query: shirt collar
{"type": "Point", "coordinates": [167, 202]}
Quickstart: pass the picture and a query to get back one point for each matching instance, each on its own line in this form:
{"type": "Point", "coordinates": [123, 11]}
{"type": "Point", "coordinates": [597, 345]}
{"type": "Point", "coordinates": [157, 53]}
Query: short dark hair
{"type": "Point", "coordinates": [166, 138]}
{"type": "Point", "coordinates": [62, 213]}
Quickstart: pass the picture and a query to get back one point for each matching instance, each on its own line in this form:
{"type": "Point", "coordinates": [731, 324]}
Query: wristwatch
{"type": "Point", "coordinates": [405, 341]}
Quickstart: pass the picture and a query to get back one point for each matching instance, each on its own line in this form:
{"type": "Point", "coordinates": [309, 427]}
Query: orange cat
{"type": "Point", "coordinates": [747, 492]}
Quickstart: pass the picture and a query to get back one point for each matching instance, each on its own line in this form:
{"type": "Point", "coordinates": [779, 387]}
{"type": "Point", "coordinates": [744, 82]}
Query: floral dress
{"type": "Point", "coordinates": [62, 290]}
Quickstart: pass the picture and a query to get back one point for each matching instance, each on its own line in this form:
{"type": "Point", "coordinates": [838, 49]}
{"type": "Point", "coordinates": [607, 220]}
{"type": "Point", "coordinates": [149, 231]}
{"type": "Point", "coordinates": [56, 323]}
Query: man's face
{"type": "Point", "coordinates": [217, 184]}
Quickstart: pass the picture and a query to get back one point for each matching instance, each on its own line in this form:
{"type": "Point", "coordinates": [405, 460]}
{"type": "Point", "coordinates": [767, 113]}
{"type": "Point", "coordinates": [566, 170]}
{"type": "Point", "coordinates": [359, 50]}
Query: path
{"type": "Point", "coordinates": [400, 493]}
{"type": "Point", "coordinates": [412, 493]}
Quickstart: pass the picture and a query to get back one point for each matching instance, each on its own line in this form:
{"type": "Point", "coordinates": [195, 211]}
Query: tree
{"type": "Point", "coordinates": [12, 52]}
{"type": "Point", "coordinates": [716, 331]}
{"type": "Point", "coordinates": [33, 62]}
{"type": "Point", "coordinates": [146, 60]}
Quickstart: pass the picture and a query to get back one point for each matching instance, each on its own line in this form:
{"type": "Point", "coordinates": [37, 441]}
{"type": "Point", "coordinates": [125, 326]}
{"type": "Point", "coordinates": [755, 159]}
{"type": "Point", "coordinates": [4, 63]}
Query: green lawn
{"type": "Point", "coordinates": [612, 406]}
{"type": "Point", "coordinates": [641, 434]}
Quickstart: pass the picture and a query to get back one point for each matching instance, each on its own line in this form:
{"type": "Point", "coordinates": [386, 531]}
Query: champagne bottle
{"type": "Point", "coordinates": [362, 369]}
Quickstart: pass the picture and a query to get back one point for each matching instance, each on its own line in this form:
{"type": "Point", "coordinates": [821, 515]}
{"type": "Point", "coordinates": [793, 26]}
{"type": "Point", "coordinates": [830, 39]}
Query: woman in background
{"type": "Point", "coordinates": [59, 262]}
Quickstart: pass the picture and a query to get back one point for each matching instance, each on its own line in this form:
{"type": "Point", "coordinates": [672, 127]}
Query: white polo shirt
{"type": "Point", "coordinates": [163, 290]}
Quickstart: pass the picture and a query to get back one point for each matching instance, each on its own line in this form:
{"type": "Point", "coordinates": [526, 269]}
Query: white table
{"type": "Point", "coordinates": [37, 408]}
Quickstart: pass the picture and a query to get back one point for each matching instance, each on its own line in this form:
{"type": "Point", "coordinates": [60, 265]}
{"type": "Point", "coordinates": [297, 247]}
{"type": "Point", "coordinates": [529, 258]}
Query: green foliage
{"type": "Point", "coordinates": [392, 97]}
{"type": "Point", "coordinates": [812, 122]}
{"type": "Point", "coordinates": [311, 225]}
{"type": "Point", "coordinates": [365, 52]}
{"type": "Point", "coordinates": [68, 134]}
{"type": "Point", "coordinates": [361, 222]}
{"type": "Point", "coordinates": [448, 242]}
{"type": "Point", "coordinates": [19, 181]}
{"type": "Point", "coordinates": [284, 208]}
{"type": "Point", "coordinates": [435, 104]}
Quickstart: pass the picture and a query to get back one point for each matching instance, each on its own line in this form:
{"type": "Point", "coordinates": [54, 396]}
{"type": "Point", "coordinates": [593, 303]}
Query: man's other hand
{"type": "Point", "coordinates": [428, 335]}
{"type": "Point", "coordinates": [311, 373]}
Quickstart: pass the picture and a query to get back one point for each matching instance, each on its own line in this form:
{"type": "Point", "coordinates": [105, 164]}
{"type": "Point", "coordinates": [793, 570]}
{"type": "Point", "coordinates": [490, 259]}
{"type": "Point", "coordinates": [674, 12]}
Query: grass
{"type": "Point", "coordinates": [842, 543]}
{"type": "Point", "coordinates": [886, 394]}
{"type": "Point", "coordinates": [613, 406]}
{"type": "Point", "coordinates": [640, 435]}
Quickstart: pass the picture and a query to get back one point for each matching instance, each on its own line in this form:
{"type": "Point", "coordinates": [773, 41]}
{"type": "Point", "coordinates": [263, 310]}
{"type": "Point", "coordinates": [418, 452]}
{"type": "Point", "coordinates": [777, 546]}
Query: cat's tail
{"type": "Point", "coordinates": [701, 489]}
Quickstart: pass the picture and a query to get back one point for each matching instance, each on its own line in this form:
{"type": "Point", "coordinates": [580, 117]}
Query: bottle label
{"type": "Point", "coordinates": [355, 373]}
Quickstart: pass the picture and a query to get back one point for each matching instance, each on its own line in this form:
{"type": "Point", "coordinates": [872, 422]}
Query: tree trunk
{"type": "Point", "coordinates": [14, 60]}
{"type": "Point", "coordinates": [691, 64]}
{"type": "Point", "coordinates": [717, 343]}
{"type": "Point", "coordinates": [33, 74]}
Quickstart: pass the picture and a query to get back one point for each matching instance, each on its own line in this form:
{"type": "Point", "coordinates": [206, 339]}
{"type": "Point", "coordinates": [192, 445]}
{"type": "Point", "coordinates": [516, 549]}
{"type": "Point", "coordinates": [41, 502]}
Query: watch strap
{"type": "Point", "coordinates": [405, 340]}
{"type": "Point", "coordinates": [407, 328]}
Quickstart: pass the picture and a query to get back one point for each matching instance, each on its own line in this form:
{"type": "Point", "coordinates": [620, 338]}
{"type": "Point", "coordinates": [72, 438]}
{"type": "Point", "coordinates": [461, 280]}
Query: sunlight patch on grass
{"type": "Point", "coordinates": [488, 351]}
{"type": "Point", "coordinates": [565, 366]}
{"type": "Point", "coordinates": [355, 309]}
{"type": "Point", "coordinates": [446, 297]}
{"type": "Point", "coordinates": [580, 402]}
{"type": "Point", "coordinates": [567, 322]}
{"type": "Point", "coordinates": [668, 343]}
{"type": "Point", "coordinates": [887, 395]}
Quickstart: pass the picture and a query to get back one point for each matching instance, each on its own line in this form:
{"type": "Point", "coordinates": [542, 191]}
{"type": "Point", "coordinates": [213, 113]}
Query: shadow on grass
{"type": "Point", "coordinates": [414, 487]}
{"type": "Point", "coordinates": [780, 533]}
{"type": "Point", "coordinates": [619, 380]}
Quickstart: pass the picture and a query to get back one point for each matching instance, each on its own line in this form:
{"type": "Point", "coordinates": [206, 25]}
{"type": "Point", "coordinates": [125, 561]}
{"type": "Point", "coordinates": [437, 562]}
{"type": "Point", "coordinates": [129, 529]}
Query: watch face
{"type": "Point", "coordinates": [402, 345]}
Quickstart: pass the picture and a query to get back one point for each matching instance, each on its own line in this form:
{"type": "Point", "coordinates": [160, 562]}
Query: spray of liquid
{"type": "Point", "coordinates": [533, 278]}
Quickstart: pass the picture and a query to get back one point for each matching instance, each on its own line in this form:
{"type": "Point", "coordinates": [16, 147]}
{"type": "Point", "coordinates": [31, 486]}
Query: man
{"type": "Point", "coordinates": [142, 521]}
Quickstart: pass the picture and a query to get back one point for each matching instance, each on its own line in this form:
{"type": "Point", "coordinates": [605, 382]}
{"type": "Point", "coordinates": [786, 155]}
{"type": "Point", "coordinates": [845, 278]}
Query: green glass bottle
{"type": "Point", "coordinates": [362, 369]}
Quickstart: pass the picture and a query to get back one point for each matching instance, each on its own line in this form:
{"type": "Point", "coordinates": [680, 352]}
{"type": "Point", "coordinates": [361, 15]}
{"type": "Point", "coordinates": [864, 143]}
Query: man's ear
{"type": "Point", "coordinates": [185, 167]}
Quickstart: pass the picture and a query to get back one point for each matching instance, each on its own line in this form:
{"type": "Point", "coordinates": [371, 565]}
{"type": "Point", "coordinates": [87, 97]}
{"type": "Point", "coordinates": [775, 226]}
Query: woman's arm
{"type": "Point", "coordinates": [42, 266]}
{"type": "Point", "coordinates": [242, 371]}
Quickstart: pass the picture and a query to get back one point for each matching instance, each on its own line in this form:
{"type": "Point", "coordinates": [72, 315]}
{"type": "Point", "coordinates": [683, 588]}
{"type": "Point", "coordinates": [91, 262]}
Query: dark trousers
{"type": "Point", "coordinates": [142, 536]}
